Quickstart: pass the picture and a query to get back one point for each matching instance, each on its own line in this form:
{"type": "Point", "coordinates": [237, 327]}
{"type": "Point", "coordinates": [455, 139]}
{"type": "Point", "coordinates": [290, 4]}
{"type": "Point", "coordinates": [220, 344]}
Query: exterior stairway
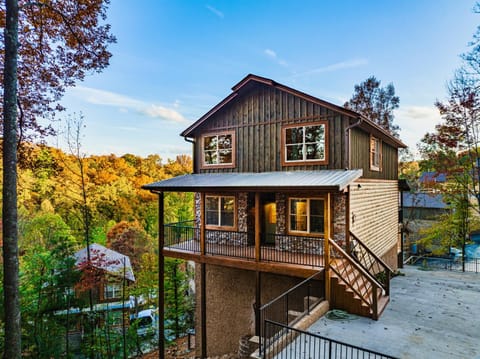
{"type": "Point", "coordinates": [359, 283]}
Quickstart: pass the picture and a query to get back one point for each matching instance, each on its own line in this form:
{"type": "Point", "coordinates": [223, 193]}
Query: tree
{"type": "Point", "coordinates": [9, 205]}
{"type": "Point", "coordinates": [60, 41]}
{"type": "Point", "coordinates": [375, 103]}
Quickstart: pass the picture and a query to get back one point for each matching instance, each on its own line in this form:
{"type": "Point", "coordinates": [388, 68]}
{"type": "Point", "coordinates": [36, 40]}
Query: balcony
{"type": "Point", "coordinates": [274, 253]}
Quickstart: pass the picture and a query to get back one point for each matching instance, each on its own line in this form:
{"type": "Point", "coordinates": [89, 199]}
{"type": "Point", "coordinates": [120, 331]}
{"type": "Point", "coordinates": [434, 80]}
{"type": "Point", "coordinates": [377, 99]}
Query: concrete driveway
{"type": "Point", "coordinates": [431, 314]}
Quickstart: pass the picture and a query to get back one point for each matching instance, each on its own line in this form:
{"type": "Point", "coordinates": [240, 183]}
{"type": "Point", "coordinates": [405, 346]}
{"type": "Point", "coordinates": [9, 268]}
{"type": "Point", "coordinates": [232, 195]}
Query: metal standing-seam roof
{"type": "Point", "coordinates": [106, 259]}
{"type": "Point", "coordinates": [333, 180]}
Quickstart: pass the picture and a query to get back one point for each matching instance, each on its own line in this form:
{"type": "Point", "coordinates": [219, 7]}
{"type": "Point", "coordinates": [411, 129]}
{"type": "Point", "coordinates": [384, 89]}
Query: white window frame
{"type": "Point", "coordinates": [114, 288]}
{"type": "Point", "coordinates": [324, 160]}
{"type": "Point", "coordinates": [218, 150]}
{"type": "Point", "coordinates": [375, 154]}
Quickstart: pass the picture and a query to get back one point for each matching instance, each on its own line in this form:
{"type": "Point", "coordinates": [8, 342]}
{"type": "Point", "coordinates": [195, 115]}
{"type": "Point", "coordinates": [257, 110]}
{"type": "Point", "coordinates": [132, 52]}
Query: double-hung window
{"type": "Point", "coordinates": [112, 291]}
{"type": "Point", "coordinates": [219, 150]}
{"type": "Point", "coordinates": [305, 144]}
{"type": "Point", "coordinates": [307, 215]}
{"type": "Point", "coordinates": [375, 154]}
{"type": "Point", "coordinates": [220, 211]}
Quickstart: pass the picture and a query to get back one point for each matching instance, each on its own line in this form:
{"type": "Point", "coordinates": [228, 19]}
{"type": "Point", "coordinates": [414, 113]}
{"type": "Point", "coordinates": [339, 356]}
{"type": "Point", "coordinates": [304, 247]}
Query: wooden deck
{"type": "Point", "coordinates": [271, 259]}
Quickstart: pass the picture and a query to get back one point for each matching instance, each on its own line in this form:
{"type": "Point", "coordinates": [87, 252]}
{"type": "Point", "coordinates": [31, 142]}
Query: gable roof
{"type": "Point", "coordinates": [107, 260]}
{"type": "Point", "coordinates": [423, 200]}
{"type": "Point", "coordinates": [334, 180]}
{"type": "Point", "coordinates": [248, 81]}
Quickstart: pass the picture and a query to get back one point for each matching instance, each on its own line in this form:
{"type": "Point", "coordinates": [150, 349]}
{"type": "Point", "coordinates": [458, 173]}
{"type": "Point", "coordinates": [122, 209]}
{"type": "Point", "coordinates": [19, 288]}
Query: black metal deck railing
{"type": "Point", "coordinates": [185, 236]}
{"type": "Point", "coordinates": [291, 306]}
{"type": "Point", "coordinates": [291, 343]}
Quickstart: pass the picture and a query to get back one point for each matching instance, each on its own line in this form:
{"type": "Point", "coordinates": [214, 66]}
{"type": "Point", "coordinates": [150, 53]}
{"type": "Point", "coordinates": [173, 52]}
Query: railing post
{"type": "Point", "coordinates": [375, 301]}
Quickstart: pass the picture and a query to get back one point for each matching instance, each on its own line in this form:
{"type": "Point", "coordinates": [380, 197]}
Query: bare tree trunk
{"type": "Point", "coordinates": [9, 216]}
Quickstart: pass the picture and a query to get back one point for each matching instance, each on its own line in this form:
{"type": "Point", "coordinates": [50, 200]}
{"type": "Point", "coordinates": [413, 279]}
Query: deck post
{"type": "Point", "coordinates": [257, 227]}
{"type": "Point", "coordinates": [203, 309]}
{"type": "Point", "coordinates": [347, 221]}
{"type": "Point", "coordinates": [326, 250]}
{"type": "Point", "coordinates": [161, 278]}
{"type": "Point", "coordinates": [202, 223]}
{"type": "Point", "coordinates": [258, 299]}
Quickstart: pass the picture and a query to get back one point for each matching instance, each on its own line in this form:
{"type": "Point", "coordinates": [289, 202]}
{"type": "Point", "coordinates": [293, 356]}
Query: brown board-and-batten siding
{"type": "Point", "coordinates": [257, 116]}
{"type": "Point", "coordinates": [360, 156]}
{"type": "Point", "coordinates": [374, 214]}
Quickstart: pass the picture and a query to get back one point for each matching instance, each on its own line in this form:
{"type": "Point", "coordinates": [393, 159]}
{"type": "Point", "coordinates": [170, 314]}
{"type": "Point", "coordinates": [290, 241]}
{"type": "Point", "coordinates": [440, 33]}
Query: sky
{"type": "Point", "coordinates": [175, 60]}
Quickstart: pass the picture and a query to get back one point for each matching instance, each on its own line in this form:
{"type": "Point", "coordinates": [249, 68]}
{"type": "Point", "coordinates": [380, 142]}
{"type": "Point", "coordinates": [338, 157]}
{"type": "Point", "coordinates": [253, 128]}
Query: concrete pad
{"type": "Point", "coordinates": [431, 314]}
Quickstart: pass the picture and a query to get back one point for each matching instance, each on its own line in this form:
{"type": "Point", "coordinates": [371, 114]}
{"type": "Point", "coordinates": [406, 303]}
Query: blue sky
{"type": "Point", "coordinates": [174, 60]}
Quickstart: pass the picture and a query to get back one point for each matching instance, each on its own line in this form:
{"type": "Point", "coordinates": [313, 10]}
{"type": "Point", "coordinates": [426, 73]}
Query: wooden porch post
{"type": "Point", "coordinates": [202, 223]}
{"type": "Point", "coordinates": [326, 249]}
{"type": "Point", "coordinates": [257, 226]}
{"type": "Point", "coordinates": [161, 278]}
{"type": "Point", "coordinates": [203, 279]}
{"type": "Point", "coordinates": [347, 221]}
{"type": "Point", "coordinates": [257, 259]}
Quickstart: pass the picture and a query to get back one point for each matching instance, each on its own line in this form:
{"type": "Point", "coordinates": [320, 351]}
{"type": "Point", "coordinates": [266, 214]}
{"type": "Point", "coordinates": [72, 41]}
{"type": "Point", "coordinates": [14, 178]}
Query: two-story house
{"type": "Point", "coordinates": [286, 185]}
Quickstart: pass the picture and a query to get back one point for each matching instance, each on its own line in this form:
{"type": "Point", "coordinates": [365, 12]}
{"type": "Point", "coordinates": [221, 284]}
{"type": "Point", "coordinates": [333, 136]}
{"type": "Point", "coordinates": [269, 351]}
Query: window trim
{"type": "Point", "coordinates": [304, 162]}
{"type": "Point", "coordinates": [307, 233]}
{"type": "Point", "coordinates": [117, 290]}
{"type": "Point", "coordinates": [373, 165]}
{"type": "Point", "coordinates": [205, 165]}
{"type": "Point", "coordinates": [224, 228]}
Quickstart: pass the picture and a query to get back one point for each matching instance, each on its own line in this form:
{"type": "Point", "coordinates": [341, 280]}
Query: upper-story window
{"type": "Point", "coordinates": [306, 215]}
{"type": "Point", "coordinates": [305, 144]}
{"type": "Point", "coordinates": [112, 291]}
{"type": "Point", "coordinates": [375, 154]}
{"type": "Point", "coordinates": [220, 211]}
{"type": "Point", "coordinates": [219, 150]}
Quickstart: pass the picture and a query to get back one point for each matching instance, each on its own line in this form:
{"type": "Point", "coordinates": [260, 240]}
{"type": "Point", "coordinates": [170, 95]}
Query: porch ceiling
{"type": "Point", "coordinates": [327, 180]}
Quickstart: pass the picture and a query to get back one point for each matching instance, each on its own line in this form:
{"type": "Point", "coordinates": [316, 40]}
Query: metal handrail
{"type": "Point", "coordinates": [303, 296]}
{"type": "Point", "coordinates": [304, 344]}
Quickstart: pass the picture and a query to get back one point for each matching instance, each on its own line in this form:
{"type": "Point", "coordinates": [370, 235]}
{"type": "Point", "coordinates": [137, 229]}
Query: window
{"type": "Point", "coordinates": [306, 215]}
{"type": "Point", "coordinates": [218, 149]}
{"type": "Point", "coordinates": [220, 211]}
{"type": "Point", "coordinates": [112, 291]}
{"type": "Point", "coordinates": [375, 154]}
{"type": "Point", "coordinates": [307, 143]}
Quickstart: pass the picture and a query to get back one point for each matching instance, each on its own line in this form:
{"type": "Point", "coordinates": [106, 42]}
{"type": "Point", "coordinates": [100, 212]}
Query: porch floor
{"type": "Point", "coordinates": [269, 255]}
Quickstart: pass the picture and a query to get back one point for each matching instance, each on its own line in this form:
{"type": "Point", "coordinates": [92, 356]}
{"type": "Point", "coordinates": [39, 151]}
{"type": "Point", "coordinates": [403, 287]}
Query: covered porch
{"type": "Point", "coordinates": [272, 218]}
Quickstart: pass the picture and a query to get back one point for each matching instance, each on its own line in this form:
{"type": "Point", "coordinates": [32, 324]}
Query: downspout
{"type": "Point", "coordinates": [192, 141]}
{"type": "Point", "coordinates": [347, 141]}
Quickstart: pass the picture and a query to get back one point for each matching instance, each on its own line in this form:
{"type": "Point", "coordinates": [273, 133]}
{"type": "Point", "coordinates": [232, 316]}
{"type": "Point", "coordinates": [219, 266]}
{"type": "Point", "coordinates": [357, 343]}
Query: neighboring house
{"type": "Point", "coordinates": [110, 270]}
{"type": "Point", "coordinates": [286, 185]}
{"type": "Point", "coordinates": [421, 209]}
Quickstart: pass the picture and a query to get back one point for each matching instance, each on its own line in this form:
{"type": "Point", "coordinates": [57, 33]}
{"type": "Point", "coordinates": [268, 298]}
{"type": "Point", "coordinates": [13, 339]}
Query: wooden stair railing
{"type": "Point", "coordinates": [363, 285]}
{"type": "Point", "coordinates": [369, 261]}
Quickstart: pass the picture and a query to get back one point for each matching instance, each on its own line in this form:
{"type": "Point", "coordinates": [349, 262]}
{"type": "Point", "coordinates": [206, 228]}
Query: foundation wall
{"type": "Point", "coordinates": [230, 305]}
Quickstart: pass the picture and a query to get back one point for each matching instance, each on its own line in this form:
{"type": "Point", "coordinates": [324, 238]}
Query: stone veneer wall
{"type": "Point", "coordinates": [224, 237]}
{"type": "Point", "coordinates": [339, 218]}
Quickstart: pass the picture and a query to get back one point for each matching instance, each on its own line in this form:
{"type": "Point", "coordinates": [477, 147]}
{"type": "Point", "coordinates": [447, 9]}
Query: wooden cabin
{"type": "Point", "coordinates": [286, 185]}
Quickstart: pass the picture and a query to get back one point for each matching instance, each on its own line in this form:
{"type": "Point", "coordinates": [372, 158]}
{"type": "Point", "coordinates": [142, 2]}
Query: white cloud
{"type": "Point", "coordinates": [215, 11]}
{"type": "Point", "coordinates": [273, 55]}
{"type": "Point", "coordinates": [348, 64]}
{"type": "Point", "coordinates": [125, 103]}
{"type": "Point", "coordinates": [415, 121]}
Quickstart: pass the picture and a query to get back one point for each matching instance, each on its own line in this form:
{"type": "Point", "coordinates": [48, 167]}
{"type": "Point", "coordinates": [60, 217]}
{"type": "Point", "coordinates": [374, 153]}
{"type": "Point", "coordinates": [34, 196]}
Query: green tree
{"type": "Point", "coordinates": [376, 103]}
{"type": "Point", "coordinates": [178, 302]}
